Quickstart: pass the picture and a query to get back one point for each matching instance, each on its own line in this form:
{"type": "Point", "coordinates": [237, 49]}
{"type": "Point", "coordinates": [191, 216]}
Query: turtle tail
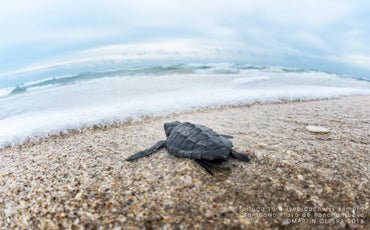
{"type": "Point", "coordinates": [239, 156]}
{"type": "Point", "coordinates": [226, 136]}
{"type": "Point", "coordinates": [147, 152]}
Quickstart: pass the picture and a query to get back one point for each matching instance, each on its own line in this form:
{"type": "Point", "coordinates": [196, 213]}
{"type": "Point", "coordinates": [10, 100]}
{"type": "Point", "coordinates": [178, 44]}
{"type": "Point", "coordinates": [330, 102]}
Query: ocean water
{"type": "Point", "coordinates": [35, 109]}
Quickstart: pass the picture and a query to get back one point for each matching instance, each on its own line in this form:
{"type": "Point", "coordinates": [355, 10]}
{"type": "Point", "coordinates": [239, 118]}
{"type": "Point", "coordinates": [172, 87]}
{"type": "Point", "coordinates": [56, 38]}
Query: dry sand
{"type": "Point", "coordinates": [81, 180]}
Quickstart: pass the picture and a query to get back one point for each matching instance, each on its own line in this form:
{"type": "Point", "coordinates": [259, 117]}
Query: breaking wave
{"type": "Point", "coordinates": [223, 68]}
{"type": "Point", "coordinates": [55, 104]}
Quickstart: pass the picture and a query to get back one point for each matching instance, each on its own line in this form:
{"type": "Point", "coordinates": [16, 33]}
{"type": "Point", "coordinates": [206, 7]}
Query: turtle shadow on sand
{"type": "Point", "coordinates": [198, 142]}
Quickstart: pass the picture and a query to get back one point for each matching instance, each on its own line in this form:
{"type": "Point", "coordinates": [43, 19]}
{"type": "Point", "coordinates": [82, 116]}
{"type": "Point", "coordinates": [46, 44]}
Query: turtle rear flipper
{"type": "Point", "coordinates": [239, 156]}
{"type": "Point", "coordinates": [147, 152]}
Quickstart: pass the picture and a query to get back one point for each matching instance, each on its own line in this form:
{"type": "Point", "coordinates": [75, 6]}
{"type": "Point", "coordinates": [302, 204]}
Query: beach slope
{"type": "Point", "coordinates": [296, 178]}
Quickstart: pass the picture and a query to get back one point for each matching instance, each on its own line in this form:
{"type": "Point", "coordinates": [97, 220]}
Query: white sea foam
{"type": "Point", "coordinates": [247, 80]}
{"type": "Point", "coordinates": [38, 113]}
{"type": "Point", "coordinates": [5, 91]}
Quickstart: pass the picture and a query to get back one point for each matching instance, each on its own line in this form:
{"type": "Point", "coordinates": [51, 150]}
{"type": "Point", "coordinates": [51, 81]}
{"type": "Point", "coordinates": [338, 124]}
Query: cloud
{"type": "Point", "coordinates": [311, 40]}
{"type": "Point", "coordinates": [41, 30]}
{"type": "Point", "coordinates": [357, 60]}
{"type": "Point", "coordinates": [179, 49]}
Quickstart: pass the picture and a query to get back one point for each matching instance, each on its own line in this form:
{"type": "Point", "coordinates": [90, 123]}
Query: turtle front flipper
{"type": "Point", "coordinates": [239, 156]}
{"type": "Point", "coordinates": [147, 152]}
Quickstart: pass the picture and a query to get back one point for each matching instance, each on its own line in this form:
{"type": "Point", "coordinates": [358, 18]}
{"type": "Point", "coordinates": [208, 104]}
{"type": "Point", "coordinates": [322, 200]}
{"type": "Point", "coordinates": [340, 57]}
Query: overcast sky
{"type": "Point", "coordinates": [331, 35]}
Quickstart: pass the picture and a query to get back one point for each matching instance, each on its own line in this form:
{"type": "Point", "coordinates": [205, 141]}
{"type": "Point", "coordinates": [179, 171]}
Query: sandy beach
{"type": "Point", "coordinates": [296, 179]}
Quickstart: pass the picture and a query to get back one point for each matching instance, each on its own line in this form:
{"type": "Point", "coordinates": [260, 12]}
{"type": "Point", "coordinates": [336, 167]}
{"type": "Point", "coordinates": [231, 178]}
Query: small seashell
{"type": "Point", "coordinates": [317, 129]}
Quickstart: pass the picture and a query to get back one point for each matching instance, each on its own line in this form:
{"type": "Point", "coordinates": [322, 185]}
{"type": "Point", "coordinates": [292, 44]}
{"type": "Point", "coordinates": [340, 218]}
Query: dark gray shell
{"type": "Point", "coordinates": [198, 142]}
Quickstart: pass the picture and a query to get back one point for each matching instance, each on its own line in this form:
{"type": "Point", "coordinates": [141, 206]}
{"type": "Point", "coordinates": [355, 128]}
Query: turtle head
{"type": "Point", "coordinates": [168, 126]}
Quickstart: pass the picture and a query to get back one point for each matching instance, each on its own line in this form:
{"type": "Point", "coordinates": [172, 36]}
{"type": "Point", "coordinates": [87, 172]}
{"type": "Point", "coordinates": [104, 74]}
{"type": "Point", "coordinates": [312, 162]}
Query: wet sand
{"type": "Point", "coordinates": [296, 179]}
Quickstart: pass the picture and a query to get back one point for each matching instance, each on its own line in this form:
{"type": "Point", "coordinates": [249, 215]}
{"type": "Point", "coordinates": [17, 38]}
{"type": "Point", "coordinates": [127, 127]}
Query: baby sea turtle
{"type": "Point", "coordinates": [196, 142]}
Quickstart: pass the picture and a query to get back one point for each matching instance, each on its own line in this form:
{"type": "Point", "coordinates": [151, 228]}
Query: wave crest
{"type": "Point", "coordinates": [181, 69]}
